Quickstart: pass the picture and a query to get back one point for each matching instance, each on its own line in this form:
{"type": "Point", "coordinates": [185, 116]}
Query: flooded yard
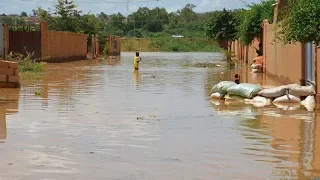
{"type": "Point", "coordinates": [98, 119]}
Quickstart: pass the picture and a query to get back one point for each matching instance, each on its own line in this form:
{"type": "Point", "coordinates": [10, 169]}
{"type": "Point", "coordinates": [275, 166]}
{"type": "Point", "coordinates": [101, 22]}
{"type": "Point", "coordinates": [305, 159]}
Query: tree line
{"type": "Point", "coordinates": [144, 22]}
{"type": "Point", "coordinates": [298, 21]}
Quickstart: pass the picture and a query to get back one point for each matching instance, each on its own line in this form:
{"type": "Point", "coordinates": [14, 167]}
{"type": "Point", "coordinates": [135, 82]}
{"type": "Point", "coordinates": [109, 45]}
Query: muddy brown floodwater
{"type": "Point", "coordinates": [100, 120]}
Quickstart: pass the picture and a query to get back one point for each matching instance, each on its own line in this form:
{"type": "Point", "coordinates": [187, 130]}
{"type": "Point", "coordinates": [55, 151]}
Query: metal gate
{"type": "Point", "coordinates": [1, 41]}
{"type": "Point", "coordinates": [309, 63]}
{"type": "Point", "coordinates": [23, 42]}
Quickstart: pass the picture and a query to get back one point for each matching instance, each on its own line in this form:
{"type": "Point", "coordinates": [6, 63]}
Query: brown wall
{"type": "Point", "coordinates": [111, 45]}
{"type": "Point", "coordinates": [284, 61]}
{"type": "Point", "coordinates": [66, 46]}
{"type": "Point", "coordinates": [51, 46]}
{"type": "Point", "coordinates": [243, 53]}
{"type": "Point", "coordinates": [317, 67]}
{"type": "Point", "coordinates": [62, 46]}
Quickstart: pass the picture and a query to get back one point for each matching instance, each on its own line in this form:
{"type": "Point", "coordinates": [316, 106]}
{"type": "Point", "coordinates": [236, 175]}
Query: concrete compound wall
{"type": "Point", "coordinates": [62, 46]}
{"type": "Point", "coordinates": [245, 54]}
{"type": "Point", "coordinates": [283, 61]}
{"type": "Point", "coordinates": [111, 49]}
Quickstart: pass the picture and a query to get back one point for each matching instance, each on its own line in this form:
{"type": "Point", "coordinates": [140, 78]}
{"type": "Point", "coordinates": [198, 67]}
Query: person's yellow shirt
{"type": "Point", "coordinates": [136, 61]}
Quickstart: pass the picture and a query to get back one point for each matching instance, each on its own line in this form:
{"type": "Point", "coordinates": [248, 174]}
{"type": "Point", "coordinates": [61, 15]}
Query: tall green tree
{"type": "Point", "coordinates": [90, 24]}
{"type": "Point", "coordinates": [222, 26]}
{"type": "Point", "coordinates": [24, 14]}
{"type": "Point", "coordinates": [67, 16]}
{"type": "Point", "coordinates": [300, 22]}
{"type": "Point", "coordinates": [251, 24]}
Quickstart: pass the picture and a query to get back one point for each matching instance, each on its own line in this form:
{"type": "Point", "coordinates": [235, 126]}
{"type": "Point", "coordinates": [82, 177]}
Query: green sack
{"type": "Point", "coordinates": [222, 87]}
{"type": "Point", "coordinates": [244, 90]}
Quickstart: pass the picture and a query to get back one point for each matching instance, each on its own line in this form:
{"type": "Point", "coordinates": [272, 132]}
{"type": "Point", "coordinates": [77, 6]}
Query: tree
{"type": "Point", "coordinates": [187, 12]}
{"type": "Point", "coordinates": [158, 17]}
{"type": "Point", "coordinates": [24, 14]}
{"type": "Point", "coordinates": [90, 24]}
{"type": "Point", "coordinates": [222, 26]}
{"type": "Point", "coordinates": [300, 22]}
{"type": "Point", "coordinates": [102, 15]}
{"type": "Point", "coordinates": [251, 24]}
{"type": "Point", "coordinates": [67, 16]}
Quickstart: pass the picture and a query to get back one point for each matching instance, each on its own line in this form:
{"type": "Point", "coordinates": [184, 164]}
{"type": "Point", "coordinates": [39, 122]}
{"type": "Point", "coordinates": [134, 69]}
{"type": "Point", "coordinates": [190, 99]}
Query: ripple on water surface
{"type": "Point", "coordinates": [98, 119]}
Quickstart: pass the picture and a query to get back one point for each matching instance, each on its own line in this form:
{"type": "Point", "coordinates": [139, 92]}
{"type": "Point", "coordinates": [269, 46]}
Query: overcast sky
{"type": "Point", "coordinates": [109, 7]}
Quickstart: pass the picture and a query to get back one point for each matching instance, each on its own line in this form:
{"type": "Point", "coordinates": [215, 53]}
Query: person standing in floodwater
{"type": "Point", "coordinates": [136, 61]}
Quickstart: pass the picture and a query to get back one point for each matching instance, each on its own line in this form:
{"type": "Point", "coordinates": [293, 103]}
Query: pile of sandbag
{"type": "Point", "coordinates": [230, 91]}
{"type": "Point", "coordinates": [291, 94]}
{"type": "Point", "coordinates": [259, 97]}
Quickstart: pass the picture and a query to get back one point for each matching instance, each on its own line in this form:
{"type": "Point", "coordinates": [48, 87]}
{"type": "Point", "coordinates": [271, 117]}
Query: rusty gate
{"type": "Point", "coordinates": [24, 41]}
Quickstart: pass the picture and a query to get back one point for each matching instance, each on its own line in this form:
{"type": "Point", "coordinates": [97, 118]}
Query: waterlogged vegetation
{"type": "Point", "coordinates": [27, 64]}
{"type": "Point", "coordinates": [184, 45]}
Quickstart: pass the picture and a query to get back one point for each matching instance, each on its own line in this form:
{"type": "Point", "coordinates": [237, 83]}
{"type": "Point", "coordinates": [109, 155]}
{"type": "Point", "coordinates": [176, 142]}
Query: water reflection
{"type": "Point", "coordinates": [85, 123]}
{"type": "Point", "coordinates": [285, 135]}
{"type": "Point", "coordinates": [9, 100]}
{"type": "Point", "coordinates": [113, 60]}
{"type": "Point", "coordinates": [286, 139]}
{"type": "Point", "coordinates": [292, 140]}
{"type": "Point", "coordinates": [3, 126]}
{"type": "Point", "coordinates": [136, 78]}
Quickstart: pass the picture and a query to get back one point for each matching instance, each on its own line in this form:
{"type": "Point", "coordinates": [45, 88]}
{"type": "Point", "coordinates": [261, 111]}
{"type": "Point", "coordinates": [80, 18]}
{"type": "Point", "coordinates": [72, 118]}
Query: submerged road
{"type": "Point", "coordinates": [101, 120]}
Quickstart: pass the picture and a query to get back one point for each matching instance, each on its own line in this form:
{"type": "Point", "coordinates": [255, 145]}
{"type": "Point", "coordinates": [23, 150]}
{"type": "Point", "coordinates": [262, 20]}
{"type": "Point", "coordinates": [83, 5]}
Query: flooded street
{"type": "Point", "coordinates": [98, 119]}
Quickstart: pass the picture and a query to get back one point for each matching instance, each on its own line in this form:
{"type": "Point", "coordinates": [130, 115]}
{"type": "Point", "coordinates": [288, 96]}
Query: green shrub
{"type": "Point", "coordinates": [26, 62]}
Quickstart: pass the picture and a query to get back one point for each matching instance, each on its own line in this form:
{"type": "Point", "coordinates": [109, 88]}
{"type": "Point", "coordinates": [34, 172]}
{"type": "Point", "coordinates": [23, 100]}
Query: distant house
{"type": "Point", "coordinates": [14, 15]}
{"type": "Point", "coordinates": [33, 20]}
{"type": "Point", "coordinates": [177, 36]}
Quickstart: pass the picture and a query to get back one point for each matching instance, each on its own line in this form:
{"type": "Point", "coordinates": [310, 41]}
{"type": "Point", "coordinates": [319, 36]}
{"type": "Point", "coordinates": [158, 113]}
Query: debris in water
{"type": "Point", "coordinates": [37, 93]}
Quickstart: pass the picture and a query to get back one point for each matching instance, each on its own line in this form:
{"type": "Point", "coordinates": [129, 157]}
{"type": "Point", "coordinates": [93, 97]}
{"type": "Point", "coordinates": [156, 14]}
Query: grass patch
{"type": "Point", "coordinates": [26, 62]}
{"type": "Point", "coordinates": [169, 44]}
{"type": "Point", "coordinates": [184, 45]}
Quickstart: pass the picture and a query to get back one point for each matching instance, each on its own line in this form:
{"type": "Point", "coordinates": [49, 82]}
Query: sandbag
{"type": "Point", "coordinates": [261, 100]}
{"type": "Point", "coordinates": [287, 99]}
{"type": "Point", "coordinates": [217, 96]}
{"type": "Point", "coordinates": [222, 87]}
{"type": "Point", "coordinates": [216, 102]}
{"type": "Point", "coordinates": [244, 90]}
{"type": "Point", "coordinates": [258, 101]}
{"type": "Point", "coordinates": [233, 98]}
{"type": "Point", "coordinates": [273, 92]}
{"type": "Point", "coordinates": [287, 107]}
{"type": "Point", "coordinates": [289, 86]}
{"type": "Point", "coordinates": [302, 91]}
{"type": "Point", "coordinates": [309, 103]}
{"type": "Point", "coordinates": [267, 87]}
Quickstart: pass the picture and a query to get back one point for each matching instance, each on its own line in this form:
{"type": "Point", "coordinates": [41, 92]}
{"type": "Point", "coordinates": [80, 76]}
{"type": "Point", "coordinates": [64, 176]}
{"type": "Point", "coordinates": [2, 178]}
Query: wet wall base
{"type": "Point", "coordinates": [66, 59]}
